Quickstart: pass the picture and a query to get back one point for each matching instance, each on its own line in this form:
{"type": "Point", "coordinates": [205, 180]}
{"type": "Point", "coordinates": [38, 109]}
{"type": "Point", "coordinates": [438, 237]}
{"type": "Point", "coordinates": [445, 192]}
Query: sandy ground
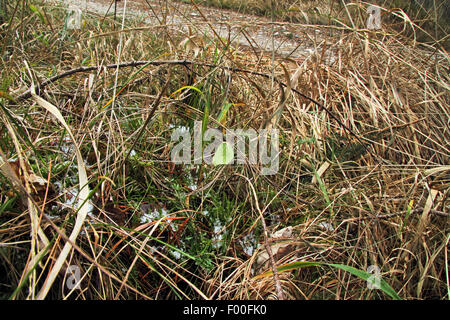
{"type": "Point", "coordinates": [285, 39]}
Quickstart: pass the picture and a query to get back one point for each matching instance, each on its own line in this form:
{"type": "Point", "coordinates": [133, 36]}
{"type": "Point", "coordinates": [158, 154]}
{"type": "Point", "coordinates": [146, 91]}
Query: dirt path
{"type": "Point", "coordinates": [287, 40]}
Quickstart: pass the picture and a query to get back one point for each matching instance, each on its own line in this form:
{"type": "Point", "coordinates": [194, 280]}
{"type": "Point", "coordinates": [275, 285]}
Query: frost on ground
{"type": "Point", "coordinates": [154, 215]}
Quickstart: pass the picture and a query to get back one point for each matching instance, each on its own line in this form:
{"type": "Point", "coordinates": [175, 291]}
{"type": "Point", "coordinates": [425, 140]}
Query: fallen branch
{"type": "Point", "coordinates": [27, 94]}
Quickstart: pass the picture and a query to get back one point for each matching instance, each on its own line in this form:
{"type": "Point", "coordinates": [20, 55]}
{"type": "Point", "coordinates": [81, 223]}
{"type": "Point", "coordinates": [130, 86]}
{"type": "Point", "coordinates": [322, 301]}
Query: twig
{"type": "Point", "coordinates": [152, 111]}
{"type": "Point", "coordinates": [390, 215]}
{"type": "Point", "coordinates": [27, 94]}
{"type": "Point", "coordinates": [115, 11]}
{"type": "Point", "coordinates": [432, 211]}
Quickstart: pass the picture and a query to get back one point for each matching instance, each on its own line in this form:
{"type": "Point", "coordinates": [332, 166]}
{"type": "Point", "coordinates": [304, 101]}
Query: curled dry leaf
{"type": "Point", "coordinates": [38, 184]}
{"type": "Point", "coordinates": [279, 250]}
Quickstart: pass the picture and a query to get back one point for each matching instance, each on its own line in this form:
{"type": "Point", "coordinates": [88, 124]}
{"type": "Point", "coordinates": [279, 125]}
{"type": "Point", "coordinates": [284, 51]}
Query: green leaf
{"type": "Point", "coordinates": [223, 112]}
{"type": "Point", "coordinates": [187, 87]}
{"type": "Point", "coordinates": [38, 12]}
{"type": "Point", "coordinates": [384, 286]}
{"type": "Point", "coordinates": [224, 155]}
{"type": "Point", "coordinates": [7, 205]}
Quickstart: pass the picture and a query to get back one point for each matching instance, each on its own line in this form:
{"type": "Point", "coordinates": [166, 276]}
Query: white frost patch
{"type": "Point", "coordinates": [71, 197]}
{"type": "Point", "coordinates": [154, 215]}
{"type": "Point", "coordinates": [67, 145]}
{"type": "Point", "coordinates": [52, 217]}
{"type": "Point", "coordinates": [58, 185]}
{"type": "Point", "coordinates": [90, 208]}
{"type": "Point", "coordinates": [176, 254]}
{"type": "Point", "coordinates": [191, 181]}
{"type": "Point", "coordinates": [326, 226]}
{"type": "Point", "coordinates": [249, 244]}
{"type": "Point", "coordinates": [153, 249]}
{"type": "Point", "coordinates": [218, 236]}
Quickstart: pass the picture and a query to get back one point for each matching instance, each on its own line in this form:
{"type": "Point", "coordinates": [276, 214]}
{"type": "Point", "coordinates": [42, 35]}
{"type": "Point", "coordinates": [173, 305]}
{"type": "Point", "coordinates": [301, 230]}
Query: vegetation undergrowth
{"type": "Point", "coordinates": [431, 18]}
{"type": "Point", "coordinates": [90, 192]}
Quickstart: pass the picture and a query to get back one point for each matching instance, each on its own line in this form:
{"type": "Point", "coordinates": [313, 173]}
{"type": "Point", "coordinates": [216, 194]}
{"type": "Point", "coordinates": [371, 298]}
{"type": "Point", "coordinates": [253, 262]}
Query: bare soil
{"type": "Point", "coordinates": [283, 39]}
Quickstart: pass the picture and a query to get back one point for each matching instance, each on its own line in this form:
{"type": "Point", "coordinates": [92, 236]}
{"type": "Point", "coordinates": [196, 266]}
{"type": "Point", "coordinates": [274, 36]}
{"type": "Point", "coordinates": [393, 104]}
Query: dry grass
{"type": "Point", "coordinates": [381, 199]}
{"type": "Point", "coordinates": [431, 18]}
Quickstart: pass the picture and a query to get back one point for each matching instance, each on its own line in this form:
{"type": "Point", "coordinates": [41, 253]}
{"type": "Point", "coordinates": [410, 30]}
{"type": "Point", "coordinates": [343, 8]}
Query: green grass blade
{"type": "Point", "coordinates": [223, 112]}
{"type": "Point", "coordinates": [38, 13]}
{"type": "Point", "coordinates": [384, 286]}
{"type": "Point", "coordinates": [187, 87]}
